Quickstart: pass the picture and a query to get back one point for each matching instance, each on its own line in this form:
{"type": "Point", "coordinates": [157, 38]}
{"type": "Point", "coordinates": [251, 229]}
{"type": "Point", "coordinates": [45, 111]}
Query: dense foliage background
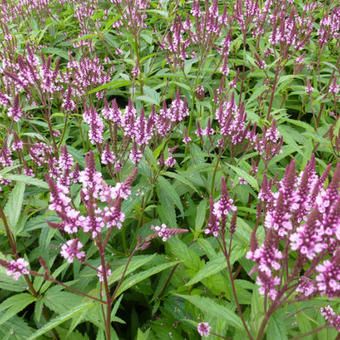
{"type": "Point", "coordinates": [168, 169]}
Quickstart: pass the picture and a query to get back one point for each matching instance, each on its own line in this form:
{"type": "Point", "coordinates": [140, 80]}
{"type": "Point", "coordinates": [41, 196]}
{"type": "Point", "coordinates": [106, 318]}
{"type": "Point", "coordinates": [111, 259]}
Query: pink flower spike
{"type": "Point", "coordinates": [165, 233]}
{"type": "Point", "coordinates": [331, 317]}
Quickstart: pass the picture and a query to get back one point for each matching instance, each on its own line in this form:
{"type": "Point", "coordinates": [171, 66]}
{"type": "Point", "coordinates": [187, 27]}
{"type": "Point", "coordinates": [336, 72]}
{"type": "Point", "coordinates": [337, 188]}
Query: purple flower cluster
{"type": "Point", "coordinates": [269, 143]}
{"type": "Point", "coordinates": [14, 10]}
{"type": "Point", "coordinates": [328, 278]}
{"type": "Point", "coordinates": [231, 119]}
{"type": "Point", "coordinates": [85, 74]}
{"type": "Point", "coordinates": [268, 259]}
{"type": "Point", "coordinates": [83, 10]}
{"type": "Point", "coordinates": [219, 211]}
{"type": "Point", "coordinates": [137, 129]}
{"type": "Point", "coordinates": [178, 109]}
{"type": "Point", "coordinates": [329, 26]}
{"type": "Point", "coordinates": [304, 216]}
{"type": "Point", "coordinates": [17, 268]}
{"type": "Point", "coordinates": [40, 153]}
{"type": "Point", "coordinates": [6, 155]}
{"type": "Point", "coordinates": [29, 72]}
{"type": "Point", "coordinates": [290, 30]}
{"type": "Point", "coordinates": [72, 250]}
{"type": "Point", "coordinates": [95, 192]}
{"type": "Point", "coordinates": [331, 317]}
{"type": "Point", "coordinates": [92, 118]}
{"type": "Point", "coordinates": [133, 14]}
{"type": "Point", "coordinates": [15, 111]}
{"type": "Point", "coordinates": [201, 29]}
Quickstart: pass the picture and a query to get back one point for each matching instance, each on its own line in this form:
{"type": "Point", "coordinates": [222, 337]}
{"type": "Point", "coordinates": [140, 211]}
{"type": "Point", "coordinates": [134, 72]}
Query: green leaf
{"type": "Point", "coordinates": [167, 191]}
{"type": "Point", "coordinates": [15, 329]}
{"type": "Point", "coordinates": [200, 215]}
{"type": "Point", "coordinates": [289, 139]}
{"type": "Point", "coordinates": [115, 84]}
{"type": "Point", "coordinates": [167, 213]}
{"type": "Point", "coordinates": [214, 310]}
{"type": "Point", "coordinates": [135, 279]}
{"type": "Point", "coordinates": [256, 310]}
{"type": "Point", "coordinates": [27, 180]}
{"type": "Point", "coordinates": [57, 51]}
{"type": "Point", "coordinates": [78, 155]}
{"type": "Point", "coordinates": [9, 169]}
{"type": "Point", "coordinates": [302, 124]}
{"type": "Point", "coordinates": [181, 179]}
{"type": "Point", "coordinates": [257, 92]}
{"type": "Point", "coordinates": [55, 274]}
{"type": "Point", "coordinates": [149, 100]}
{"type": "Point", "coordinates": [143, 335]}
{"type": "Point", "coordinates": [60, 319]}
{"type": "Point", "coordinates": [276, 328]}
{"type": "Point", "coordinates": [207, 247]}
{"type": "Point", "coordinates": [116, 306]}
{"type": "Point", "coordinates": [163, 13]}
{"type": "Point", "coordinates": [14, 205]}
{"type": "Point", "coordinates": [250, 179]}
{"type": "Point", "coordinates": [211, 268]}
{"type": "Point", "coordinates": [304, 324]}
{"type": "Point", "coordinates": [182, 252]}
{"type": "Point", "coordinates": [136, 262]}
{"type": "Point", "coordinates": [59, 300]}
{"type": "Point", "coordinates": [14, 304]}
{"type": "Point", "coordinates": [215, 265]}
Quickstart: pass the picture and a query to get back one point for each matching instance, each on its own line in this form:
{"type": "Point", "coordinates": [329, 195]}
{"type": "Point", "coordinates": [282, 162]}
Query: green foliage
{"type": "Point", "coordinates": [161, 290]}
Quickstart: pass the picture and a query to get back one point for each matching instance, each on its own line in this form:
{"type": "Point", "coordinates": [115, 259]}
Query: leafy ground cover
{"type": "Point", "coordinates": [169, 169]}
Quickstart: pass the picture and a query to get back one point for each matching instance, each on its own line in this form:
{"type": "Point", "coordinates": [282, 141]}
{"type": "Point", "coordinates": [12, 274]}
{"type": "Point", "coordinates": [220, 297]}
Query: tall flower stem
{"type": "Point", "coordinates": [275, 306]}
{"type": "Point", "coordinates": [232, 282]}
{"type": "Point", "coordinates": [69, 288]}
{"type": "Point", "coordinates": [107, 290]}
{"type": "Point", "coordinates": [212, 189]}
{"type": "Point", "coordinates": [271, 100]}
{"type": "Point", "coordinates": [114, 295]}
{"type": "Point", "coordinates": [13, 246]}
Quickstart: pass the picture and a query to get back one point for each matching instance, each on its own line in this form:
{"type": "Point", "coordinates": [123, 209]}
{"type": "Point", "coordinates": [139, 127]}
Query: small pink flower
{"type": "Point", "coordinates": [16, 268]}
{"type": "Point", "coordinates": [309, 89]}
{"type": "Point", "coordinates": [203, 328]}
{"type": "Point", "coordinates": [300, 59]}
{"type": "Point", "coordinates": [71, 250]}
{"type": "Point", "coordinates": [100, 273]}
{"type": "Point", "coordinates": [170, 162]}
{"type": "Point", "coordinates": [135, 71]}
{"type": "Point", "coordinates": [242, 181]}
{"type": "Point", "coordinates": [186, 140]}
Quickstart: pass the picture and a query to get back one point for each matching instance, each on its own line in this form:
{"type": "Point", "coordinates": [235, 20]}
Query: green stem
{"type": "Point", "coordinates": [114, 295]}
{"type": "Point", "coordinates": [69, 288]}
{"type": "Point", "coordinates": [277, 73]}
{"type": "Point", "coordinates": [64, 130]}
{"type": "Point", "coordinates": [232, 281]}
{"type": "Point", "coordinates": [314, 331]}
{"type": "Point", "coordinates": [13, 246]}
{"type": "Point", "coordinates": [107, 290]}
{"type": "Point", "coordinates": [212, 189]}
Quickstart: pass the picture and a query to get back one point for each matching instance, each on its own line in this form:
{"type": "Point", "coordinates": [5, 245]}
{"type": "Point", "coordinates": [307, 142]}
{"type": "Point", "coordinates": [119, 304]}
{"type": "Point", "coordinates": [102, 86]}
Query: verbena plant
{"type": "Point", "coordinates": [169, 169]}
